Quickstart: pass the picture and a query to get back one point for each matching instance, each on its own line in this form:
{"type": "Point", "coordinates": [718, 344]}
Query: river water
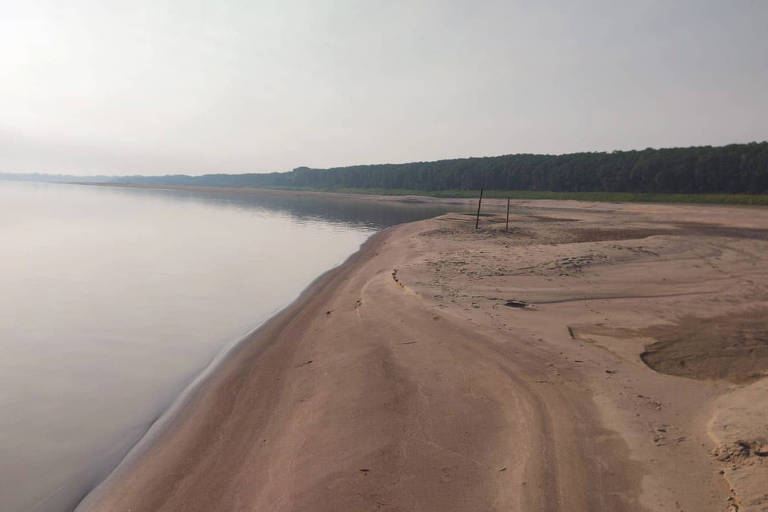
{"type": "Point", "coordinates": [112, 300]}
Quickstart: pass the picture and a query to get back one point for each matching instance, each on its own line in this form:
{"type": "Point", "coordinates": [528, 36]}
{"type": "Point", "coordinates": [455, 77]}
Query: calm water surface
{"type": "Point", "coordinates": [113, 300]}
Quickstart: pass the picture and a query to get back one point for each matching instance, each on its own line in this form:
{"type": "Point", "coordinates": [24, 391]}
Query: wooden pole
{"type": "Point", "coordinates": [477, 218]}
{"type": "Point", "coordinates": [507, 226]}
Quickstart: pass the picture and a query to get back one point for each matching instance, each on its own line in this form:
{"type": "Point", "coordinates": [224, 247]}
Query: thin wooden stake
{"type": "Point", "coordinates": [477, 218]}
{"type": "Point", "coordinates": [507, 226]}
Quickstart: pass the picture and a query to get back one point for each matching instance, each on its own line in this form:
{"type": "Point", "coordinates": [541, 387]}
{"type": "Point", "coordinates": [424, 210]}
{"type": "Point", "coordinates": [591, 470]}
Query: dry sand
{"type": "Point", "coordinates": [633, 378]}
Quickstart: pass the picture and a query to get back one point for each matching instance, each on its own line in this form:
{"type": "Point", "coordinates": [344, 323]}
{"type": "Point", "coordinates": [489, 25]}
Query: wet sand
{"type": "Point", "coordinates": [595, 357]}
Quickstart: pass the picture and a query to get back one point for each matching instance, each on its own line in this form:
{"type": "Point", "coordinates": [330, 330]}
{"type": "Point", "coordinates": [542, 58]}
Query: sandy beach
{"type": "Point", "coordinates": [596, 356]}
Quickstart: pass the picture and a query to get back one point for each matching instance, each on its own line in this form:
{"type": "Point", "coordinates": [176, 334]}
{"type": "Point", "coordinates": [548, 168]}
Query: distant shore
{"type": "Point", "coordinates": [447, 368]}
{"type": "Point", "coordinates": [402, 195]}
{"type": "Point", "coordinates": [402, 199]}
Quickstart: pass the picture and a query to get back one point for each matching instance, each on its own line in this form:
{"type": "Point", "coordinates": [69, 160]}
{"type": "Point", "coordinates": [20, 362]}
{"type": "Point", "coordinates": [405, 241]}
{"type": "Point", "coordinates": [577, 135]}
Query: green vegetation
{"type": "Point", "coordinates": [737, 173]}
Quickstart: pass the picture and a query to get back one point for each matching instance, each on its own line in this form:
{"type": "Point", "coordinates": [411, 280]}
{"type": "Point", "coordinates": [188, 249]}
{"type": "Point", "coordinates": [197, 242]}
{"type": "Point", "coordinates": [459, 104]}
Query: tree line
{"type": "Point", "coordinates": [733, 169]}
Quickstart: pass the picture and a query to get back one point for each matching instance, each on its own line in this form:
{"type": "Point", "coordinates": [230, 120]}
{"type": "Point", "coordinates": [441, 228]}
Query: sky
{"type": "Point", "coordinates": [185, 86]}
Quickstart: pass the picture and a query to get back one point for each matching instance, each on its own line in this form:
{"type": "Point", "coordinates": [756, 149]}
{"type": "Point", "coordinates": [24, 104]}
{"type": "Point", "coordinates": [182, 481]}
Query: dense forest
{"type": "Point", "coordinates": [736, 168]}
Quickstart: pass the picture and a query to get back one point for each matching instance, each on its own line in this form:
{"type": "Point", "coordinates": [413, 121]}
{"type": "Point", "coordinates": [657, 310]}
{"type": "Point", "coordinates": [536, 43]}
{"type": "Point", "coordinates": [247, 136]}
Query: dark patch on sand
{"type": "Point", "coordinates": [731, 347]}
{"type": "Point", "coordinates": [704, 229]}
{"type": "Point", "coordinates": [485, 232]}
{"type": "Point", "coordinates": [604, 235]}
{"type": "Point", "coordinates": [542, 218]}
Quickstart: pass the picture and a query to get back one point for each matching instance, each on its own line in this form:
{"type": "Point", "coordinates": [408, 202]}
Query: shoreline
{"type": "Point", "coordinates": [489, 204]}
{"type": "Point", "coordinates": [166, 420]}
{"type": "Point", "coordinates": [401, 379]}
{"type": "Point", "coordinates": [405, 196]}
{"type": "Point", "coordinates": [401, 200]}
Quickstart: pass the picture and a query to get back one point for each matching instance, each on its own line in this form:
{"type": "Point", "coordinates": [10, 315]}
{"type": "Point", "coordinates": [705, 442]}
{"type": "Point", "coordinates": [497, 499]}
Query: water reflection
{"type": "Point", "coordinates": [113, 299]}
{"type": "Point", "coordinates": [347, 212]}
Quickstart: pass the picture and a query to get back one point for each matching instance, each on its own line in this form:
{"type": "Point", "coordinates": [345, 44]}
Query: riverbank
{"type": "Point", "coordinates": [403, 195]}
{"type": "Point", "coordinates": [557, 366]}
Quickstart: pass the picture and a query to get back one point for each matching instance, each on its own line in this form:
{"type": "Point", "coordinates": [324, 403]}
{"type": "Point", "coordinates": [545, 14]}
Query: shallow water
{"type": "Point", "coordinates": [112, 300]}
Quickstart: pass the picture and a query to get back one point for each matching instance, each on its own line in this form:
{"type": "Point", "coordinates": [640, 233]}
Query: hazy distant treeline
{"type": "Point", "coordinates": [736, 168]}
{"type": "Point", "coordinates": [732, 169]}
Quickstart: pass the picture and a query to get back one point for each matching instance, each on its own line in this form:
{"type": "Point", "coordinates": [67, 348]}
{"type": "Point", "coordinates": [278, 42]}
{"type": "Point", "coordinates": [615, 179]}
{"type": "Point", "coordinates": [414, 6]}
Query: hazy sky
{"type": "Point", "coordinates": [148, 86]}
